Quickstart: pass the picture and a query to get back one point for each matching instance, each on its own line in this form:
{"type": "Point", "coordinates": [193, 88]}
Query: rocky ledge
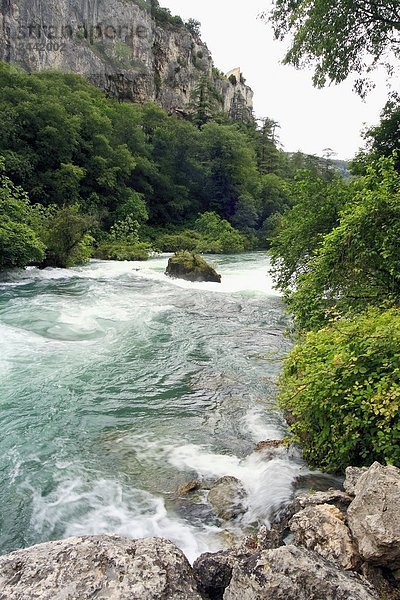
{"type": "Point", "coordinates": [334, 545]}
{"type": "Point", "coordinates": [191, 267]}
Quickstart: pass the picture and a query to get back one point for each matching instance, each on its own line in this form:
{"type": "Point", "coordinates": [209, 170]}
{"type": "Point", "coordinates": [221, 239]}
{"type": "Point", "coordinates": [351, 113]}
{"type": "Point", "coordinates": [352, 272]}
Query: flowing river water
{"type": "Point", "coordinates": [118, 384]}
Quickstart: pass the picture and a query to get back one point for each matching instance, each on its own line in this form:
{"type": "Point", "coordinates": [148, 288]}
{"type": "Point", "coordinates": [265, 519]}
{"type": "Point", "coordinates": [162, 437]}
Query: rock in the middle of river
{"type": "Point", "coordinates": [192, 267]}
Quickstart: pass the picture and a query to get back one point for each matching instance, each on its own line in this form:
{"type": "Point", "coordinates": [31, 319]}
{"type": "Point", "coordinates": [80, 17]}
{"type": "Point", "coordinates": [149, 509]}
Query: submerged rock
{"type": "Point", "coordinates": [290, 573]}
{"type": "Point", "coordinates": [373, 516]}
{"type": "Point", "coordinates": [189, 487]}
{"type": "Point", "coordinates": [322, 528]}
{"type": "Point", "coordinates": [98, 567]}
{"type": "Point", "coordinates": [227, 497]}
{"type": "Point", "coordinates": [191, 267]}
{"type": "Point", "coordinates": [268, 445]}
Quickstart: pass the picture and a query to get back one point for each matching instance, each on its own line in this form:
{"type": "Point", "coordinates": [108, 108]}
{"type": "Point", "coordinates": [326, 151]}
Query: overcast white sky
{"type": "Point", "coordinates": [310, 119]}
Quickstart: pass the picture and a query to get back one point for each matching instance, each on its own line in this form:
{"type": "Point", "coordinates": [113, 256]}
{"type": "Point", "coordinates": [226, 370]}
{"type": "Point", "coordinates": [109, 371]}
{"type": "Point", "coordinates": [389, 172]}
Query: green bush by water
{"type": "Point", "coordinates": [341, 385]}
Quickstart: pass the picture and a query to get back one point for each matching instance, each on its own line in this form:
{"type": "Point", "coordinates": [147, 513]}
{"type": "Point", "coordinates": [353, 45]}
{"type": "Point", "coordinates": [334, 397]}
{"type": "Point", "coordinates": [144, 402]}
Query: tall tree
{"type": "Point", "coordinates": [206, 102]}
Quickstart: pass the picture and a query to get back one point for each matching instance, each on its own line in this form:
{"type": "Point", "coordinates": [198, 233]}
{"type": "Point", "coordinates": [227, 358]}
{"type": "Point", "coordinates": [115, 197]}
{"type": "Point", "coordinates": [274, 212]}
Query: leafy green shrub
{"type": "Point", "coordinates": [65, 233]}
{"type": "Point", "coordinates": [114, 250]}
{"type": "Point", "coordinates": [184, 240]}
{"type": "Point", "coordinates": [341, 385]}
{"type": "Point", "coordinates": [208, 234]}
{"type": "Point", "coordinates": [219, 233]}
{"type": "Point", "coordinates": [122, 243]}
{"type": "Point", "coordinates": [19, 243]}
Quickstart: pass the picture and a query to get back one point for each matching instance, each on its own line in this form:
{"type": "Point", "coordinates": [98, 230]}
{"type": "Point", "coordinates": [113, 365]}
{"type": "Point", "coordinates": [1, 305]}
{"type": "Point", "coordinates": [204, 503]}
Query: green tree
{"type": "Point", "coordinates": [338, 37]}
{"type": "Point", "coordinates": [301, 230]}
{"type": "Point", "coordinates": [219, 234]}
{"type": "Point", "coordinates": [357, 263]}
{"type": "Point", "coordinates": [267, 147]}
{"type": "Point", "coordinates": [66, 234]}
{"type": "Point", "coordinates": [194, 27]}
{"type": "Point", "coordinates": [206, 102]}
{"type": "Point", "coordinates": [19, 243]}
{"type": "Point", "coordinates": [231, 168]}
{"type": "Point", "coordinates": [381, 140]}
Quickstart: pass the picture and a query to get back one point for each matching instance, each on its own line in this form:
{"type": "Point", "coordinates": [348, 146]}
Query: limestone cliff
{"type": "Point", "coordinates": [119, 46]}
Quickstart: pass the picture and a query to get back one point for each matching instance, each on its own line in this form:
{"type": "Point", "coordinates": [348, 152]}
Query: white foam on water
{"type": "Point", "coordinates": [233, 280]}
{"type": "Point", "coordinates": [268, 481]}
{"type": "Point", "coordinates": [260, 428]}
{"type": "Point", "coordinates": [255, 279]}
{"type": "Point", "coordinates": [106, 507]}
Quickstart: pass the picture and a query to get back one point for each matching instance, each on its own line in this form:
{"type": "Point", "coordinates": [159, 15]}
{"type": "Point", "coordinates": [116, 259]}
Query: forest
{"type": "Point", "coordinates": [83, 175]}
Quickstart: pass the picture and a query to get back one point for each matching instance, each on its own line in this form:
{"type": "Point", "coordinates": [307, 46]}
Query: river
{"type": "Point", "coordinates": [118, 384]}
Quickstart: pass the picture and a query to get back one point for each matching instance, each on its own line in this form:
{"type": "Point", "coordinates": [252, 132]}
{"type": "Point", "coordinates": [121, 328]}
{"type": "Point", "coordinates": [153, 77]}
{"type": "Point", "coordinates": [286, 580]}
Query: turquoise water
{"type": "Point", "coordinates": [117, 385]}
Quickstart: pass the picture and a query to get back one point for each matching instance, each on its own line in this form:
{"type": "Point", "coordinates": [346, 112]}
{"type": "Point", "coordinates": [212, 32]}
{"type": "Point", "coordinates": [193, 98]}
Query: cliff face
{"type": "Point", "coordinates": [118, 46]}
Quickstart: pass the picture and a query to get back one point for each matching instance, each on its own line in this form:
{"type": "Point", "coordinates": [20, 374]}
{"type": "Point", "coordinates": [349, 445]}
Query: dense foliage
{"type": "Point", "coordinates": [335, 251]}
{"type": "Point", "coordinates": [298, 233]}
{"type": "Point", "coordinates": [342, 386]}
{"type": "Point", "coordinates": [19, 243]}
{"type": "Point", "coordinates": [357, 263]}
{"type": "Point", "coordinates": [335, 255]}
{"type": "Point", "coordinates": [92, 166]}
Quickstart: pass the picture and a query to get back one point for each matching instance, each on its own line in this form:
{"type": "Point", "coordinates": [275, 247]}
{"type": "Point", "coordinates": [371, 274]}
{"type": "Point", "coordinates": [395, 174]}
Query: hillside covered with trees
{"type": "Point", "coordinates": [84, 174]}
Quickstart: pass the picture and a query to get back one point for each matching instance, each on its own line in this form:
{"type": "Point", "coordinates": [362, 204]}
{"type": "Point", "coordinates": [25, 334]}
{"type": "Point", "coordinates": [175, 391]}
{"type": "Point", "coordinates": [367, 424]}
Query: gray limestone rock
{"type": "Point", "coordinates": [323, 529]}
{"type": "Point", "coordinates": [227, 497]}
{"type": "Point", "coordinates": [290, 573]}
{"type": "Point", "coordinates": [353, 475]}
{"type": "Point", "coordinates": [98, 567]}
{"type": "Point", "coordinates": [373, 516]}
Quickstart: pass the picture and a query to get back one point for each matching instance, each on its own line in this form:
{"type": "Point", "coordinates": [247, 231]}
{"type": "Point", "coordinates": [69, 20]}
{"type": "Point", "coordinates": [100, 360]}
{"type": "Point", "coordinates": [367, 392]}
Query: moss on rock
{"type": "Point", "coordinates": [192, 267]}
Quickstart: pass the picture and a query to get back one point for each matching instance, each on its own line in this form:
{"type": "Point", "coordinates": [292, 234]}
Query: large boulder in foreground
{"type": "Point", "coordinates": [191, 267]}
{"type": "Point", "coordinates": [323, 529]}
{"type": "Point", "coordinates": [374, 516]}
{"type": "Point", "coordinates": [290, 573]}
{"type": "Point", "coordinates": [98, 567]}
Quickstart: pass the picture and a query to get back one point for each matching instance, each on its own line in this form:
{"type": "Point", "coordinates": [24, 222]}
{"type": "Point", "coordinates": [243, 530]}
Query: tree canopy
{"type": "Point", "coordinates": [339, 37]}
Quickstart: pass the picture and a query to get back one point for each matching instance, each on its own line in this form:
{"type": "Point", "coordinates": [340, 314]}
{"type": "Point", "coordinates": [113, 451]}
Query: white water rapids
{"type": "Point", "coordinates": [118, 384]}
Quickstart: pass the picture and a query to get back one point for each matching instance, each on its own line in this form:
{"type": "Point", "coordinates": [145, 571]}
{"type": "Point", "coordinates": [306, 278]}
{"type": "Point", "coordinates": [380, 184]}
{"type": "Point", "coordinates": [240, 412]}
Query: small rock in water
{"type": "Point", "coordinates": [227, 498]}
{"type": "Point", "coordinates": [191, 267]}
{"type": "Point", "coordinates": [268, 445]}
{"type": "Point", "coordinates": [190, 486]}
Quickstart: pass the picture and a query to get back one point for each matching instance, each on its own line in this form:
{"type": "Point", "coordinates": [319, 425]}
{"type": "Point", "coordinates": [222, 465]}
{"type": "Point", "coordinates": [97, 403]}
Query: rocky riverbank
{"type": "Point", "coordinates": [334, 545]}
